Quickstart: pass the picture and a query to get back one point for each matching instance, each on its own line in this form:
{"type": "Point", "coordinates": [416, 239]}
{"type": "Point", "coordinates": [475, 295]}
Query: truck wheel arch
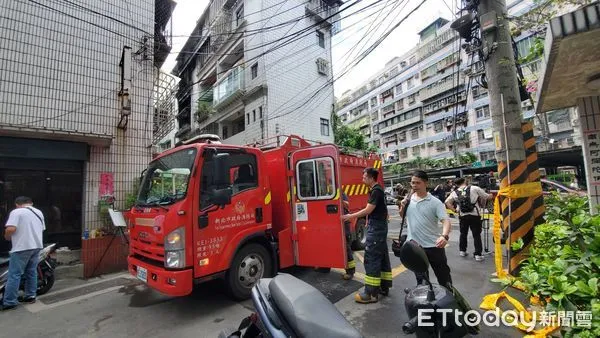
{"type": "Point", "coordinates": [256, 237]}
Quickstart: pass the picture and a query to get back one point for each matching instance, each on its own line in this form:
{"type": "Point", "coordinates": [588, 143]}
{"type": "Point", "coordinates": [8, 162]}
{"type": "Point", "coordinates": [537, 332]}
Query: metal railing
{"type": "Point", "coordinates": [228, 85]}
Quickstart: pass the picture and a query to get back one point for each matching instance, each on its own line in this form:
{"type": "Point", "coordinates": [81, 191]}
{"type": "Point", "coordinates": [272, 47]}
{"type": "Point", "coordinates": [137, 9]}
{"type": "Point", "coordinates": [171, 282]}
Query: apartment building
{"type": "Point", "coordinates": [430, 104]}
{"type": "Point", "coordinates": [250, 67]}
{"type": "Point", "coordinates": [76, 110]}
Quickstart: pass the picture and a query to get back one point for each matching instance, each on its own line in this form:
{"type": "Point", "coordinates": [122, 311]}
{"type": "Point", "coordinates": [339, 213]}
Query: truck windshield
{"type": "Point", "coordinates": [166, 179]}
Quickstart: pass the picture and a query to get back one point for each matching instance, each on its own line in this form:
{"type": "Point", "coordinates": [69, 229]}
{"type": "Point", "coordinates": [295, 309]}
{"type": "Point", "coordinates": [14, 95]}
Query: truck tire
{"type": "Point", "coordinates": [251, 263]}
{"type": "Point", "coordinates": [360, 235]}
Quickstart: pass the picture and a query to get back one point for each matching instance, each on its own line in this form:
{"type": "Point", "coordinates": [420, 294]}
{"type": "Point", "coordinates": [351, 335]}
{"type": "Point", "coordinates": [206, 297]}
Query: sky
{"type": "Point", "coordinates": [359, 32]}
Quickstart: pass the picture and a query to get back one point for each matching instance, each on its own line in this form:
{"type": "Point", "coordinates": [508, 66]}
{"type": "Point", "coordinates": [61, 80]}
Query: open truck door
{"type": "Point", "coordinates": [318, 230]}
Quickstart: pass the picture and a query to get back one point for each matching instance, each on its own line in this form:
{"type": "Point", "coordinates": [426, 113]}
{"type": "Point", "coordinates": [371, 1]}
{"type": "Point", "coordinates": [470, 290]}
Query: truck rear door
{"type": "Point", "coordinates": [318, 230]}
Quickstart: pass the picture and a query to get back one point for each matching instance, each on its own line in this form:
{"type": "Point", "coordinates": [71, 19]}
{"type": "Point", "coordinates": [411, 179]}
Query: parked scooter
{"type": "Point", "coordinates": [45, 272]}
{"type": "Point", "coordinates": [430, 299]}
{"type": "Point", "coordinates": [288, 307]}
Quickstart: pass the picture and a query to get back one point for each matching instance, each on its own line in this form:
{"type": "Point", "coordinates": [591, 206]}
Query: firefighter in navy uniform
{"type": "Point", "coordinates": [378, 279]}
{"type": "Point", "coordinates": [351, 265]}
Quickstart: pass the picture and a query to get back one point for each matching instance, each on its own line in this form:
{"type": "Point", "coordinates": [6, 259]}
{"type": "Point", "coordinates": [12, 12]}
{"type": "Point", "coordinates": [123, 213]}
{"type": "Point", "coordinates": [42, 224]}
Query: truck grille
{"type": "Point", "coordinates": [152, 252]}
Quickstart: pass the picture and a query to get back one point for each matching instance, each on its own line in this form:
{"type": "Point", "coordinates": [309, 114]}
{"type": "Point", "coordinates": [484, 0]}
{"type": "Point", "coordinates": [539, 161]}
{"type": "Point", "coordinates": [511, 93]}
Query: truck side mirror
{"type": "Point", "coordinates": [142, 176]}
{"type": "Point", "coordinates": [221, 197]}
{"type": "Point", "coordinates": [222, 192]}
{"type": "Point", "coordinates": [221, 167]}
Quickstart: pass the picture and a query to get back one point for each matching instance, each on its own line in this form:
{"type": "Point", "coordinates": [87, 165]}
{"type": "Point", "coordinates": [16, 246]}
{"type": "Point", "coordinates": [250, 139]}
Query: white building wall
{"type": "Point", "coordinates": [292, 76]}
{"type": "Point", "coordinates": [60, 74]}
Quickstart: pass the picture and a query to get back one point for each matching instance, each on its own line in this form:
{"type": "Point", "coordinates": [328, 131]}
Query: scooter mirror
{"type": "Point", "coordinates": [413, 257]}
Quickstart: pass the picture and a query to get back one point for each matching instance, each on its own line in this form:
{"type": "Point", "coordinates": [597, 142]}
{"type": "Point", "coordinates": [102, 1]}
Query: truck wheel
{"type": "Point", "coordinates": [360, 235]}
{"type": "Point", "coordinates": [250, 264]}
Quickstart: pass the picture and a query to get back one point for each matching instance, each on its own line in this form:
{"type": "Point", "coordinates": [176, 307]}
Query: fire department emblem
{"type": "Point", "coordinates": [240, 207]}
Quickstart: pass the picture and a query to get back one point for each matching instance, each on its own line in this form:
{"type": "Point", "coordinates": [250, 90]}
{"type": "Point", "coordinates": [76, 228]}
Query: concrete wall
{"type": "Point", "coordinates": [59, 66]}
{"type": "Point", "coordinates": [292, 75]}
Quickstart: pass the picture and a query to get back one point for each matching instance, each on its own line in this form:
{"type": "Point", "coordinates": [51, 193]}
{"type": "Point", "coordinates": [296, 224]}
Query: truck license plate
{"type": "Point", "coordinates": [142, 274]}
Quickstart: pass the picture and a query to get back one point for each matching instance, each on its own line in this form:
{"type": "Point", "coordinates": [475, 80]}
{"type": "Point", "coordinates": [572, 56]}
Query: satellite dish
{"type": "Point", "coordinates": [464, 25]}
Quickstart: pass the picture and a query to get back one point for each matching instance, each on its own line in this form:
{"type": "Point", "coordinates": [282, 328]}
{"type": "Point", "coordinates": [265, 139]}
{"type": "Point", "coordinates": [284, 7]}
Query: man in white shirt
{"type": "Point", "coordinates": [469, 200]}
{"type": "Point", "coordinates": [24, 229]}
{"type": "Point", "coordinates": [427, 224]}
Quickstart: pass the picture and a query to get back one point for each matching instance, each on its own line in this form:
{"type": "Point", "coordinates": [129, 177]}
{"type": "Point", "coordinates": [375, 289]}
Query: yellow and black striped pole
{"type": "Point", "coordinates": [525, 212]}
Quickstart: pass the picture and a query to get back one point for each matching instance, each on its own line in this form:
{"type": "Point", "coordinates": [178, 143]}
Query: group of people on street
{"type": "Point", "coordinates": [427, 223]}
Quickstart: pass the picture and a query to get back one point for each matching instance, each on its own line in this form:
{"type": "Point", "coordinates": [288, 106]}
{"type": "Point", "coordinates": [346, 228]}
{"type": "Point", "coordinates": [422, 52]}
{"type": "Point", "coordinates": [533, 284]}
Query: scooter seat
{"type": "Point", "coordinates": [307, 310]}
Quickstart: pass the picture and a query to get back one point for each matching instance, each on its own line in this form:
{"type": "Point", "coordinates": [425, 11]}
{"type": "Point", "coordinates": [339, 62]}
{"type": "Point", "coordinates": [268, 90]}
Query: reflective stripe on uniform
{"type": "Point", "coordinates": [372, 281]}
{"type": "Point", "coordinates": [351, 264]}
{"type": "Point", "coordinates": [386, 275]}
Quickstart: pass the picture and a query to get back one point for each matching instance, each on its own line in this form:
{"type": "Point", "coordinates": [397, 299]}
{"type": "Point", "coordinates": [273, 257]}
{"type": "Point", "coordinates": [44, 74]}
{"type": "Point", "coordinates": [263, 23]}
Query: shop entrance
{"type": "Point", "coordinates": [57, 191]}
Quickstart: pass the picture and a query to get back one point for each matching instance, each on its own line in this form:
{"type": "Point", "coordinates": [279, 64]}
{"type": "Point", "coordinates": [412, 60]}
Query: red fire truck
{"type": "Point", "coordinates": [207, 210]}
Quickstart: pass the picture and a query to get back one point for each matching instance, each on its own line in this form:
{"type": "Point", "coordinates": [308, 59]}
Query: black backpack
{"type": "Point", "coordinates": [464, 200]}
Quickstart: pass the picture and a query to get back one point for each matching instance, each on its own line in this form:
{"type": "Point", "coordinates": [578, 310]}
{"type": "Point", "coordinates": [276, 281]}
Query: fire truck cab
{"type": "Point", "coordinates": [208, 210]}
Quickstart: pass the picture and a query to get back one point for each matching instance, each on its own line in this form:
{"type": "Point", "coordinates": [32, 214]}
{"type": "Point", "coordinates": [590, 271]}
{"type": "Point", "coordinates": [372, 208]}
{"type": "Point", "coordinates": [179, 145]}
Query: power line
{"type": "Point", "coordinates": [270, 66]}
{"type": "Point", "coordinates": [349, 67]}
{"type": "Point", "coordinates": [301, 34]}
{"type": "Point", "coordinates": [362, 56]}
{"type": "Point", "coordinates": [347, 54]}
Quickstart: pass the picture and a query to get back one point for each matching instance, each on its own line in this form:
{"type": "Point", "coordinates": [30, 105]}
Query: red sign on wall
{"type": "Point", "coordinates": [107, 187]}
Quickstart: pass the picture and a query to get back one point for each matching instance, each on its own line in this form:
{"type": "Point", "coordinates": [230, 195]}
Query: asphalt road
{"type": "Point", "coordinates": [118, 306]}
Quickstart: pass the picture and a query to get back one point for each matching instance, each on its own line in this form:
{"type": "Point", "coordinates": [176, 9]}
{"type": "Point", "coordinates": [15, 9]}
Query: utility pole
{"type": "Point", "coordinates": [503, 87]}
{"type": "Point", "coordinates": [515, 164]}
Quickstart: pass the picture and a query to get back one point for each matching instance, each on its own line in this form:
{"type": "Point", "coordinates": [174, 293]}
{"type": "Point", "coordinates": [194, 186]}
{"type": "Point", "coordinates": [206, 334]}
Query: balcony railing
{"type": "Point", "coordinates": [322, 9]}
{"type": "Point", "coordinates": [440, 87]}
{"type": "Point", "coordinates": [232, 83]}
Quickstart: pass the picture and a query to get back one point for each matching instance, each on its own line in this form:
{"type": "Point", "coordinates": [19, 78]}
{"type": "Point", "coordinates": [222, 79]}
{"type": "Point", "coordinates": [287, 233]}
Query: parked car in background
{"type": "Point", "coordinates": [549, 186]}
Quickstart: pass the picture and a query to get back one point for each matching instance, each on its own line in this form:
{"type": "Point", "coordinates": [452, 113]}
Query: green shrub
{"type": "Point", "coordinates": [563, 267]}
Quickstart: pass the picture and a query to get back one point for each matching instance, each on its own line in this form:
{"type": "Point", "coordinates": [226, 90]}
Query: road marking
{"type": "Point", "coordinates": [358, 276]}
{"type": "Point", "coordinates": [39, 306]}
{"type": "Point", "coordinates": [398, 270]}
{"type": "Point", "coordinates": [360, 257]}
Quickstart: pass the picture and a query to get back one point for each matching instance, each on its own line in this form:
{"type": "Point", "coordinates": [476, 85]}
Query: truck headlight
{"type": "Point", "coordinates": [175, 248]}
{"type": "Point", "coordinates": [175, 259]}
{"type": "Point", "coordinates": [175, 240]}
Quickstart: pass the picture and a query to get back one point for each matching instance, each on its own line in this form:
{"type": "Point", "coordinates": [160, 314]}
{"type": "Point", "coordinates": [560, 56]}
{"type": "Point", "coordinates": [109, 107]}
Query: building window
{"type": "Point", "coordinates": [225, 132]}
{"type": "Point", "coordinates": [482, 112]}
{"type": "Point", "coordinates": [374, 102]}
{"type": "Point", "coordinates": [316, 179]}
{"type": "Point", "coordinates": [412, 99]}
{"type": "Point", "coordinates": [479, 92]}
{"type": "Point", "coordinates": [260, 112]}
{"type": "Point", "coordinates": [239, 15]}
{"type": "Point", "coordinates": [413, 60]}
{"type": "Point", "coordinates": [487, 155]}
{"type": "Point", "coordinates": [254, 71]}
{"type": "Point", "coordinates": [410, 83]}
{"type": "Point", "coordinates": [248, 117]}
{"type": "Point", "coordinates": [480, 135]}
{"type": "Point", "coordinates": [398, 89]}
{"type": "Point", "coordinates": [416, 150]}
{"type": "Point", "coordinates": [322, 66]}
{"type": "Point", "coordinates": [321, 39]}
{"type": "Point", "coordinates": [414, 134]}
{"type": "Point", "coordinates": [325, 127]}
{"type": "Point", "coordinates": [254, 116]}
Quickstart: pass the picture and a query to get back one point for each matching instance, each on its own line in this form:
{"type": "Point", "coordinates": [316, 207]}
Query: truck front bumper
{"type": "Point", "coordinates": [172, 283]}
